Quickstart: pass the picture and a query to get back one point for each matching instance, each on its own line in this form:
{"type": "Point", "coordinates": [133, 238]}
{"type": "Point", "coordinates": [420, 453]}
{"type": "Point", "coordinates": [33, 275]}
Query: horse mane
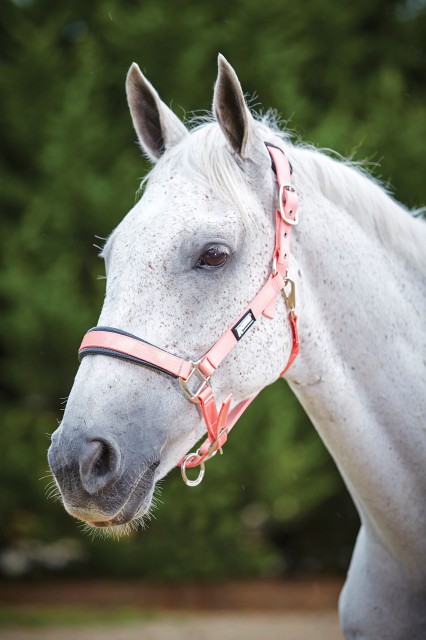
{"type": "Point", "coordinates": [345, 183]}
{"type": "Point", "coordinates": [349, 185]}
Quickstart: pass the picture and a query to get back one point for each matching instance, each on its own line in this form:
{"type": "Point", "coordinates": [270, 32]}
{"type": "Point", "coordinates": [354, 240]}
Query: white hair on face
{"type": "Point", "coordinates": [206, 155]}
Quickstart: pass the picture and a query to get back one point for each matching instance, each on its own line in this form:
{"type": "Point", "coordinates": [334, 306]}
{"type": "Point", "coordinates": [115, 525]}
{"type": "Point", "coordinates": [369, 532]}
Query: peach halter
{"type": "Point", "coordinates": [194, 377]}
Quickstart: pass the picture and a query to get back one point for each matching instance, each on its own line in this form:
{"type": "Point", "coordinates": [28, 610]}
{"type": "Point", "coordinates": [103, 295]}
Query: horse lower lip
{"type": "Point", "coordinates": [134, 504]}
{"type": "Point", "coordinates": [119, 519]}
{"type": "Point", "coordinates": [126, 514]}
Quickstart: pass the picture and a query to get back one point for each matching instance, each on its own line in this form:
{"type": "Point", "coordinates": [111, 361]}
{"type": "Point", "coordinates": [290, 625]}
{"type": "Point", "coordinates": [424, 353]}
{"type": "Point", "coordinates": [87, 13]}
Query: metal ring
{"type": "Point", "coordinates": [199, 478]}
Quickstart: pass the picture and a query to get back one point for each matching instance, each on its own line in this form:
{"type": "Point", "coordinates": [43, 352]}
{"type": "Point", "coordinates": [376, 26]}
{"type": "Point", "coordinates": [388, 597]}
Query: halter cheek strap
{"type": "Point", "coordinates": [194, 377]}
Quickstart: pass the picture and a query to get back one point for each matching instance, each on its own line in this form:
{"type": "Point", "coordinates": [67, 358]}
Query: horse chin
{"type": "Point", "coordinates": [109, 530]}
{"type": "Point", "coordinates": [124, 523]}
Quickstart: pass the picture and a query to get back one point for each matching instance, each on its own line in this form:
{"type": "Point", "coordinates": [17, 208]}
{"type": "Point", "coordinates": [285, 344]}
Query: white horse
{"type": "Point", "coordinates": [181, 266]}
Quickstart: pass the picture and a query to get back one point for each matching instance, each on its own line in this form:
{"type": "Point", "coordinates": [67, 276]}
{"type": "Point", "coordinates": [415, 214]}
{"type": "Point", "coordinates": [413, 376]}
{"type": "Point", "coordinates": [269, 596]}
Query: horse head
{"type": "Point", "coordinates": [182, 264]}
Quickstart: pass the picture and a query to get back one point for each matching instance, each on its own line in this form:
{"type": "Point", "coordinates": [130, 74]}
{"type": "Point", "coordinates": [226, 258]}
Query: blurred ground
{"type": "Point", "coordinates": [122, 610]}
{"type": "Point", "coordinates": [265, 595]}
{"type": "Point", "coordinates": [228, 626]}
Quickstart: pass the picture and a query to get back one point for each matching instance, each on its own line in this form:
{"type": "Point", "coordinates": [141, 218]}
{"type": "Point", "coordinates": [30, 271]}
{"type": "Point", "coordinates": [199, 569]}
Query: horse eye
{"type": "Point", "coordinates": [213, 257]}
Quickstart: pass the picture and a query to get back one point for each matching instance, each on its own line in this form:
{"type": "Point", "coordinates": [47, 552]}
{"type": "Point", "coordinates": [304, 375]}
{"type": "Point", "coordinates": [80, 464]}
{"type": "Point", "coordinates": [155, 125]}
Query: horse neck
{"type": "Point", "coordinates": [360, 373]}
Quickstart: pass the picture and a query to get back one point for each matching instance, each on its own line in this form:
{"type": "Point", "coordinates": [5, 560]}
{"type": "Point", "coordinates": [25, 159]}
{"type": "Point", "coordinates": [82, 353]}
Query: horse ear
{"type": "Point", "coordinates": [230, 108]}
{"type": "Point", "coordinates": [156, 125]}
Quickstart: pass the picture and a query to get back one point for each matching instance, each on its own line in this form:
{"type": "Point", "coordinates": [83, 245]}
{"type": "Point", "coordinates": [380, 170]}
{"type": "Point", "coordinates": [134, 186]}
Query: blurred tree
{"type": "Point", "coordinates": [348, 75]}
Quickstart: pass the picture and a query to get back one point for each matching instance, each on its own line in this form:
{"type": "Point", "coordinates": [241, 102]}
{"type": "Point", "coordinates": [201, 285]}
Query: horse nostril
{"type": "Point", "coordinates": [100, 464]}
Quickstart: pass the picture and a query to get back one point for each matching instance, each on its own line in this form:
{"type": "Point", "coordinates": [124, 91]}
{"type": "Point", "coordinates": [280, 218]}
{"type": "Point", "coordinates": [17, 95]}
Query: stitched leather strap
{"type": "Point", "coordinates": [296, 343]}
{"type": "Point", "coordinates": [269, 292]}
{"type": "Point", "coordinates": [263, 303]}
{"type": "Point", "coordinates": [109, 341]}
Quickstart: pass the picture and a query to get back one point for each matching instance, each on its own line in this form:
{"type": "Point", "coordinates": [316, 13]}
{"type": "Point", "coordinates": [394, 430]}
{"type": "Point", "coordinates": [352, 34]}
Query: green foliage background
{"type": "Point", "coordinates": [345, 75]}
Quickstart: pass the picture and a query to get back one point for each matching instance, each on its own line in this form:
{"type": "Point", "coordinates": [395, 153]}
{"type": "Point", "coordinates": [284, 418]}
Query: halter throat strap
{"type": "Point", "coordinates": [194, 377]}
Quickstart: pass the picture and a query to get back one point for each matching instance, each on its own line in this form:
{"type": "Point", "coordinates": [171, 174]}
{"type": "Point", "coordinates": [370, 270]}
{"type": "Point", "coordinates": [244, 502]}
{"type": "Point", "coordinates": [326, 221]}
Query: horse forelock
{"type": "Point", "coordinates": [205, 157]}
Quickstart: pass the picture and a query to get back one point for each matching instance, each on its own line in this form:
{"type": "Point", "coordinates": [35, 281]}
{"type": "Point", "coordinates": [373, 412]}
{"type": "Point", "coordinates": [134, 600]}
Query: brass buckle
{"type": "Point", "coordinates": [282, 201]}
{"type": "Point", "coordinates": [192, 396]}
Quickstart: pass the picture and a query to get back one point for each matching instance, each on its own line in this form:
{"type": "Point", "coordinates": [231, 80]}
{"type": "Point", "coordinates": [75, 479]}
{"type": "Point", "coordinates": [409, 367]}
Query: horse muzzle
{"type": "Point", "coordinates": [97, 484]}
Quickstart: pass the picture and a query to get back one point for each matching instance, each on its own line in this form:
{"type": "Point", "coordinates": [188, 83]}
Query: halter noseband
{"type": "Point", "coordinates": [194, 377]}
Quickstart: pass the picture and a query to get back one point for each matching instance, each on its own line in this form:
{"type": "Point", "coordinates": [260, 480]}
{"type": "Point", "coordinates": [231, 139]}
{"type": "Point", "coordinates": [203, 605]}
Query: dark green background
{"type": "Point", "coordinates": [345, 75]}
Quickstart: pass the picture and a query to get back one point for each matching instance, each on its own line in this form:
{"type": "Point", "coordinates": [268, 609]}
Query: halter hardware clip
{"type": "Point", "coordinates": [281, 204]}
{"type": "Point", "coordinates": [290, 296]}
{"type": "Point", "coordinates": [203, 380]}
{"type": "Point", "coordinates": [215, 445]}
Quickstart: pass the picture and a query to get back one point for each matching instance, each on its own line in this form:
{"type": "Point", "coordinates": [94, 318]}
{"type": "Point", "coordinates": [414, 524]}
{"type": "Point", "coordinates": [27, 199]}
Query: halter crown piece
{"type": "Point", "coordinates": [194, 377]}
